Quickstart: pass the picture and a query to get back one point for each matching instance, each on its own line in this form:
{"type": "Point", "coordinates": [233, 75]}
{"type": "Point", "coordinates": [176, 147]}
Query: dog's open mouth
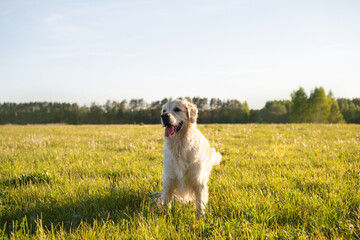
{"type": "Point", "coordinates": [171, 130]}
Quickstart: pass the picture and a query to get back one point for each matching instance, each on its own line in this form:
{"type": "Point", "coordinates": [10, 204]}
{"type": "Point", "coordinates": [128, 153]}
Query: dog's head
{"type": "Point", "coordinates": [177, 116]}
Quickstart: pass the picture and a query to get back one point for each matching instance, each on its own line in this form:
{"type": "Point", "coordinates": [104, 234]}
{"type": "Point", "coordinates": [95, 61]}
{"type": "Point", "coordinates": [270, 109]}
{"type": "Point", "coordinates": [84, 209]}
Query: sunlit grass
{"type": "Point", "coordinates": [274, 181]}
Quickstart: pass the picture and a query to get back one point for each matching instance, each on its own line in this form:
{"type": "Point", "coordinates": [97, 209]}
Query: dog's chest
{"type": "Point", "coordinates": [181, 155]}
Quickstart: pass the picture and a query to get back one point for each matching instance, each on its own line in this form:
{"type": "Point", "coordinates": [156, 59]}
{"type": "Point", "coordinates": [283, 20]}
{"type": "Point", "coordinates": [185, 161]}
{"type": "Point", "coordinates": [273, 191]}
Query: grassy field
{"type": "Point", "coordinates": [93, 182]}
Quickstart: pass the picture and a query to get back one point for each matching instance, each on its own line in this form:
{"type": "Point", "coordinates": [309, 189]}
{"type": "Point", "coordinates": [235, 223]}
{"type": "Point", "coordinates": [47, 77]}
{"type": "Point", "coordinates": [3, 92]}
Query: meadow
{"type": "Point", "coordinates": [94, 182]}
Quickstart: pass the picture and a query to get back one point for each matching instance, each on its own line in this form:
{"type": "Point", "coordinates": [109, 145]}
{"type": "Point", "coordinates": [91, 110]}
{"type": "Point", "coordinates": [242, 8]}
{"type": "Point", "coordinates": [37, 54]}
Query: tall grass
{"type": "Point", "coordinates": [93, 182]}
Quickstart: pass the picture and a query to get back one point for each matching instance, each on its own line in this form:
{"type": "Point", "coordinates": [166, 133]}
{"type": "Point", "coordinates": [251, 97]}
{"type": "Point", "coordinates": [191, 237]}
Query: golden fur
{"type": "Point", "coordinates": [188, 157]}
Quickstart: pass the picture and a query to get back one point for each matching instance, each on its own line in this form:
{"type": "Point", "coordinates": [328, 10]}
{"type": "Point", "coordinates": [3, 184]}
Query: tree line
{"type": "Point", "coordinates": [318, 107]}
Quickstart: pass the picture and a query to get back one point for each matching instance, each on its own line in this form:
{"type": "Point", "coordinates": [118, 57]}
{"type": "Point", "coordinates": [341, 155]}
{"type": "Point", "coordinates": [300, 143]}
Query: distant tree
{"type": "Point", "coordinates": [156, 105]}
{"type": "Point", "coordinates": [276, 112]}
{"type": "Point", "coordinates": [334, 115]}
{"type": "Point", "coordinates": [96, 114]}
{"type": "Point", "coordinates": [356, 101]}
{"type": "Point", "coordinates": [350, 109]}
{"type": "Point", "coordinates": [298, 106]}
{"type": "Point", "coordinates": [201, 103]}
{"type": "Point", "coordinates": [137, 104]}
{"type": "Point", "coordinates": [231, 111]}
{"type": "Point", "coordinates": [215, 103]}
{"type": "Point", "coordinates": [244, 113]}
{"type": "Point", "coordinates": [255, 116]}
{"type": "Point", "coordinates": [318, 107]}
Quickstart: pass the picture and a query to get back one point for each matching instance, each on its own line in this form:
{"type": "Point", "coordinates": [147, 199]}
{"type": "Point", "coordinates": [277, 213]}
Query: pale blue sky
{"type": "Point", "coordinates": [259, 50]}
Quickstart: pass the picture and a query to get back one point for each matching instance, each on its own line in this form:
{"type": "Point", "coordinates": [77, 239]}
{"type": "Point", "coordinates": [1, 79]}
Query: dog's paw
{"type": "Point", "coordinates": [157, 198]}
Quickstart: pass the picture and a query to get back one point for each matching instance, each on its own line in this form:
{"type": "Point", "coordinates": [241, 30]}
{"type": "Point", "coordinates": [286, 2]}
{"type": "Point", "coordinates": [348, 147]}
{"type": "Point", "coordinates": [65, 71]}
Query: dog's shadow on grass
{"type": "Point", "coordinates": [114, 204]}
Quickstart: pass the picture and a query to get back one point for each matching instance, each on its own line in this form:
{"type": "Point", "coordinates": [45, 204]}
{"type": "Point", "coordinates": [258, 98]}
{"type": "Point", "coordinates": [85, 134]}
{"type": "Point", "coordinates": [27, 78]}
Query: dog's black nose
{"type": "Point", "coordinates": [165, 116]}
{"type": "Point", "coordinates": [165, 119]}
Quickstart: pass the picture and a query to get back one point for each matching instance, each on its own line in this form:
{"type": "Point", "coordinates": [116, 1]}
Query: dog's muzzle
{"type": "Point", "coordinates": [170, 129]}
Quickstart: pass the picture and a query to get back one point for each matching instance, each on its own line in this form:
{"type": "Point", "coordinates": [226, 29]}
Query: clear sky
{"type": "Point", "coordinates": [253, 50]}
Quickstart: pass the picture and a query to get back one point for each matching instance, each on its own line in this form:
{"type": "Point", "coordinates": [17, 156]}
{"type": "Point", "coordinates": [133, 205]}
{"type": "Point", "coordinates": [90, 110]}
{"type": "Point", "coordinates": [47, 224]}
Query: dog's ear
{"type": "Point", "coordinates": [192, 112]}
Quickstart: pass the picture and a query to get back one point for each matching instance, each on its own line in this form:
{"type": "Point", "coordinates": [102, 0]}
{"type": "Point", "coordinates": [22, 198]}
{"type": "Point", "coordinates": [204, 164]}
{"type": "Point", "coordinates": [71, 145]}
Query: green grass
{"type": "Point", "coordinates": [93, 182]}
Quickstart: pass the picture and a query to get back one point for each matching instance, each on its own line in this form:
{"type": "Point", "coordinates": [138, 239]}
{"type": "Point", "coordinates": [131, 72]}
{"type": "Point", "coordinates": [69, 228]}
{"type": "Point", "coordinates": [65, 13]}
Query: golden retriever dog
{"type": "Point", "coordinates": [188, 157]}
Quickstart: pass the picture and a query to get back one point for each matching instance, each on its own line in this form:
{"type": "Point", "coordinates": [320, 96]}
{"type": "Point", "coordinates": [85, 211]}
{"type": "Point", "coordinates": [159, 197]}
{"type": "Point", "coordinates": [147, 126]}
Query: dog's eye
{"type": "Point", "coordinates": [177, 110]}
{"type": "Point", "coordinates": [164, 111]}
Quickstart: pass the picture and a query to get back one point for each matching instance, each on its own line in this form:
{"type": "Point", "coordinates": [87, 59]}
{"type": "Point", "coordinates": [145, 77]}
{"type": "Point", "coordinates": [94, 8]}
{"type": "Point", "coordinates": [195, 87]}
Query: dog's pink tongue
{"type": "Point", "coordinates": [169, 131]}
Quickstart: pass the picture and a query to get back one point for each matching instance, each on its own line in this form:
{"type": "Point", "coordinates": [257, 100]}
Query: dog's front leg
{"type": "Point", "coordinates": [202, 196]}
{"type": "Point", "coordinates": [168, 191]}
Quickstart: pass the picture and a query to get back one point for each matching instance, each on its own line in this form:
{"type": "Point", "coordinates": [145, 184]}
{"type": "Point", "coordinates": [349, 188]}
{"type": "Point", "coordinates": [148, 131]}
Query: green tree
{"type": "Point", "coordinates": [350, 109]}
{"type": "Point", "coordinates": [255, 116]}
{"type": "Point", "coordinates": [96, 114]}
{"type": "Point", "coordinates": [319, 107]}
{"type": "Point", "coordinates": [335, 115]}
{"type": "Point", "coordinates": [275, 112]}
{"type": "Point", "coordinates": [298, 106]}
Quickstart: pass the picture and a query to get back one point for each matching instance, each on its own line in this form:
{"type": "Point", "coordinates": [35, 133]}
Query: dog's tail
{"type": "Point", "coordinates": [216, 157]}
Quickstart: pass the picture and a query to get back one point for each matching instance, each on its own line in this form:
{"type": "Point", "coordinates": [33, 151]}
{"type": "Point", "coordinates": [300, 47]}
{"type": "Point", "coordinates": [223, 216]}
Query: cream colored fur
{"type": "Point", "coordinates": [188, 158]}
